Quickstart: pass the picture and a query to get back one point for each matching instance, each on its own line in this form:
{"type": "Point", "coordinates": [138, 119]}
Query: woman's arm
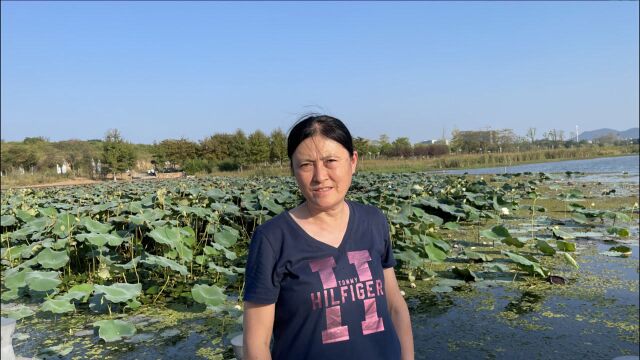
{"type": "Point", "coordinates": [399, 313]}
{"type": "Point", "coordinates": [258, 325]}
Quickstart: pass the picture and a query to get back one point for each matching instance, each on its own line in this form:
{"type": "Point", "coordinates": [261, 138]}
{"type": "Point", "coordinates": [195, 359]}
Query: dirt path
{"type": "Point", "coordinates": [71, 182]}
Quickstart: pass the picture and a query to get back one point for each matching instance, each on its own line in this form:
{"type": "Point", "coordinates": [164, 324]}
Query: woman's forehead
{"type": "Point", "coordinates": [319, 146]}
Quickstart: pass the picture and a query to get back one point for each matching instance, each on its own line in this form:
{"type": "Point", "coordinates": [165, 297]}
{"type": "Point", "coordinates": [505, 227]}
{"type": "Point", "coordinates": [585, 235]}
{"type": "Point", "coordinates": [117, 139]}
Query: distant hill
{"type": "Point", "coordinates": [633, 133]}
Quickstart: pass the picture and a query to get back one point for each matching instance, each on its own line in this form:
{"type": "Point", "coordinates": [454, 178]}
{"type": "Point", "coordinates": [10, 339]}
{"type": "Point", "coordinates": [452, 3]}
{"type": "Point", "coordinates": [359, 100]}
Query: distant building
{"type": "Point", "coordinates": [434, 142]}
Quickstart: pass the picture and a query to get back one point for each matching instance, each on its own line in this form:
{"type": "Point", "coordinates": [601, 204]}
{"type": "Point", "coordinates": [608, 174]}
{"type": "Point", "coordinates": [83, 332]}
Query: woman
{"type": "Point", "coordinates": [320, 276]}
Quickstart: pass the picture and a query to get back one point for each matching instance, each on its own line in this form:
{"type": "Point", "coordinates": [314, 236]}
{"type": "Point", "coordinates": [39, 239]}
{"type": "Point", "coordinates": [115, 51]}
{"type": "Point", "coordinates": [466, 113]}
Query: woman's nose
{"type": "Point", "coordinates": [319, 172]}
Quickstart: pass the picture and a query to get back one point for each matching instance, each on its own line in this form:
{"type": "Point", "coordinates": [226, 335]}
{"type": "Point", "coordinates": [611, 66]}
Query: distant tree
{"type": "Point", "coordinates": [258, 147]}
{"type": "Point", "coordinates": [278, 144]}
{"type": "Point", "coordinates": [216, 147]}
{"type": "Point", "coordinates": [362, 146]}
{"type": "Point", "coordinates": [117, 154]}
{"type": "Point", "coordinates": [35, 140]}
{"type": "Point", "coordinates": [238, 149]}
{"type": "Point", "coordinates": [17, 156]}
{"type": "Point", "coordinates": [385, 147]}
{"type": "Point", "coordinates": [402, 147]}
{"type": "Point", "coordinates": [176, 152]}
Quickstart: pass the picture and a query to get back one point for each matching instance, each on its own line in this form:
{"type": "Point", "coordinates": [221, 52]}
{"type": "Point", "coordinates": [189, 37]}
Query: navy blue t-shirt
{"type": "Point", "coordinates": [330, 302]}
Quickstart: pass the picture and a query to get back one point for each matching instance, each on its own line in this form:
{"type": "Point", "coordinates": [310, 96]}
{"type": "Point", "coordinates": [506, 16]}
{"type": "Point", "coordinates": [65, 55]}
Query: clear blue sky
{"type": "Point", "coordinates": [159, 70]}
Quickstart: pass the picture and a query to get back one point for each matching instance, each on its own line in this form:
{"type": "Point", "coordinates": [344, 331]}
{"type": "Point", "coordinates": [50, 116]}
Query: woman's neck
{"type": "Point", "coordinates": [325, 216]}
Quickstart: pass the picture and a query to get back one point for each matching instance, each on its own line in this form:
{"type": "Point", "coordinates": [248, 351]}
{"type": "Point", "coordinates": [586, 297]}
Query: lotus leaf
{"type": "Point", "coordinates": [497, 267]}
{"type": "Point", "coordinates": [530, 266]}
{"type": "Point", "coordinates": [100, 240]}
{"type": "Point", "coordinates": [64, 224]}
{"type": "Point", "coordinates": [579, 218]}
{"type": "Point", "coordinates": [119, 292]}
{"type": "Point", "coordinates": [7, 220]}
{"type": "Point", "coordinates": [50, 259]}
{"type": "Point", "coordinates": [621, 232]}
{"type": "Point", "coordinates": [18, 312]}
{"type": "Point", "coordinates": [561, 234]}
{"type": "Point", "coordinates": [544, 247]}
{"type": "Point", "coordinates": [164, 262]}
{"type": "Point", "coordinates": [227, 237]}
{"type": "Point", "coordinates": [570, 260]}
{"type": "Point", "coordinates": [476, 256]}
{"type": "Point", "coordinates": [57, 306]}
{"type": "Point", "coordinates": [511, 241]}
{"type": "Point", "coordinates": [565, 246]}
{"type": "Point", "coordinates": [208, 295]}
{"type": "Point", "coordinates": [114, 330]}
{"type": "Point", "coordinates": [14, 278]}
{"type": "Point", "coordinates": [465, 274]}
{"type": "Point", "coordinates": [78, 292]}
{"type": "Point", "coordinates": [451, 226]}
{"type": "Point", "coordinates": [94, 226]}
{"type": "Point", "coordinates": [42, 280]}
{"type": "Point", "coordinates": [625, 250]}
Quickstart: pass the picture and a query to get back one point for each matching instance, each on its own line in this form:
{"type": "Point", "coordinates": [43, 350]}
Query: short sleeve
{"type": "Point", "coordinates": [388, 260]}
{"type": "Point", "coordinates": [261, 283]}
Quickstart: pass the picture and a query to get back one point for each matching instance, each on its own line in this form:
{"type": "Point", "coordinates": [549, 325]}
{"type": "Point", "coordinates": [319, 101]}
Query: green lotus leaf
{"type": "Point", "coordinates": [18, 312]}
{"type": "Point", "coordinates": [64, 225]}
{"type": "Point", "coordinates": [208, 295]}
{"type": "Point", "coordinates": [78, 292]}
{"type": "Point", "coordinates": [100, 240]}
{"type": "Point", "coordinates": [621, 249]}
{"type": "Point", "coordinates": [164, 262]}
{"type": "Point", "coordinates": [497, 267]}
{"type": "Point", "coordinates": [114, 330]}
{"type": "Point", "coordinates": [49, 211]}
{"type": "Point", "coordinates": [570, 260]}
{"type": "Point", "coordinates": [561, 234]}
{"type": "Point", "coordinates": [544, 247]}
{"type": "Point", "coordinates": [94, 226]}
{"type": "Point", "coordinates": [513, 242]}
{"type": "Point", "coordinates": [15, 278]}
{"type": "Point", "coordinates": [57, 306]}
{"type": "Point", "coordinates": [7, 220]}
{"type": "Point", "coordinates": [42, 280]}
{"type": "Point", "coordinates": [119, 292]}
{"type": "Point", "coordinates": [434, 253]}
{"type": "Point", "coordinates": [579, 218]}
{"type": "Point", "coordinates": [476, 256]}
{"type": "Point", "coordinates": [220, 269]}
{"type": "Point", "coordinates": [50, 259]}
{"type": "Point", "coordinates": [451, 225]}
{"type": "Point", "coordinates": [526, 264]}
{"type": "Point", "coordinates": [227, 237]}
{"type": "Point", "coordinates": [565, 246]}
{"type": "Point", "coordinates": [271, 205]}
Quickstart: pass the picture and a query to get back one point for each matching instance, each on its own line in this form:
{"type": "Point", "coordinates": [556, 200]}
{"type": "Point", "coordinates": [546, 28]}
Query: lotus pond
{"type": "Point", "coordinates": [527, 265]}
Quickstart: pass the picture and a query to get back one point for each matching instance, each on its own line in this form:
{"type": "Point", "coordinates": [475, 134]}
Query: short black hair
{"type": "Point", "coordinates": [317, 124]}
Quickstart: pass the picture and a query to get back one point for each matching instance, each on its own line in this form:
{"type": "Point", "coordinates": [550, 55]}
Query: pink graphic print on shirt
{"type": "Point", "coordinates": [336, 292]}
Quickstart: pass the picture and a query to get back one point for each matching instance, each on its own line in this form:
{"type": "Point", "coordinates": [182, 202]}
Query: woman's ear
{"type": "Point", "coordinates": [354, 162]}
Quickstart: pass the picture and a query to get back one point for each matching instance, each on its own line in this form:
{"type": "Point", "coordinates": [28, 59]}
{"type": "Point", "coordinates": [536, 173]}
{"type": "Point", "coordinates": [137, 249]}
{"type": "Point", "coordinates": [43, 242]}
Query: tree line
{"type": "Point", "coordinates": [237, 151]}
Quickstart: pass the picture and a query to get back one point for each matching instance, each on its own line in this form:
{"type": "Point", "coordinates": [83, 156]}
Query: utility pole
{"type": "Point", "coordinates": [577, 134]}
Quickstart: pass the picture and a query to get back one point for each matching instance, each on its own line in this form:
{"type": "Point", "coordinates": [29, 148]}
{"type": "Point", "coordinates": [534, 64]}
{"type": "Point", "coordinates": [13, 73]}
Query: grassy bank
{"type": "Point", "coordinates": [452, 161]}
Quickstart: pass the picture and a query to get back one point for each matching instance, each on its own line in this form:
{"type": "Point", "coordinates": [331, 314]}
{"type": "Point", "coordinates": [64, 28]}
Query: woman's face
{"type": "Point", "coordinates": [323, 170]}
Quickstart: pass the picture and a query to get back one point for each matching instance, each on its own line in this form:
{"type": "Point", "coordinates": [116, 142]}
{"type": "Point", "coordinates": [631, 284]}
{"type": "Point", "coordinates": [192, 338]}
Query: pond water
{"type": "Point", "coordinates": [624, 168]}
{"type": "Point", "coordinates": [594, 316]}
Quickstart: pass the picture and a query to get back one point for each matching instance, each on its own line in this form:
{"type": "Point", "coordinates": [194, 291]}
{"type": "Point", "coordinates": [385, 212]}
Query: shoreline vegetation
{"type": "Point", "coordinates": [366, 165]}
